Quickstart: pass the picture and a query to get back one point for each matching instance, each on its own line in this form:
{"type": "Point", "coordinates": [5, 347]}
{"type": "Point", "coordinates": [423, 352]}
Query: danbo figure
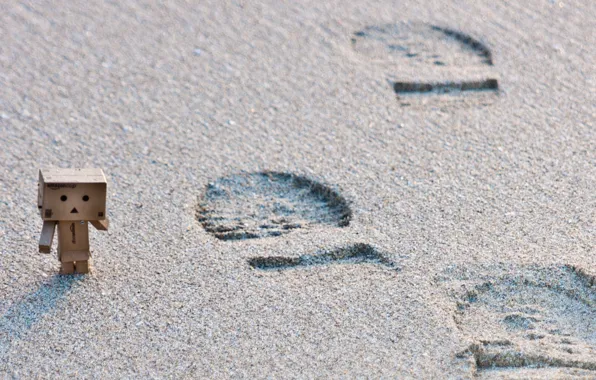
{"type": "Point", "coordinates": [70, 198]}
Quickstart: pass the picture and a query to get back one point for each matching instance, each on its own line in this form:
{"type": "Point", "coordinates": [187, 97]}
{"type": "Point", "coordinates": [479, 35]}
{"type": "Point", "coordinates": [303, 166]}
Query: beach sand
{"type": "Point", "coordinates": [307, 189]}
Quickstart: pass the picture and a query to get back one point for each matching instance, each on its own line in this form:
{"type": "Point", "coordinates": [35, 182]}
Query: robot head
{"type": "Point", "coordinates": [72, 194]}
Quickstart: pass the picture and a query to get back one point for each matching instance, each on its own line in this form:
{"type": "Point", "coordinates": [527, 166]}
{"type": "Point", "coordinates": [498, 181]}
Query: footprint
{"type": "Point", "coordinates": [351, 254]}
{"type": "Point", "coordinates": [417, 43]}
{"type": "Point", "coordinates": [517, 321]}
{"type": "Point", "coordinates": [255, 205]}
{"type": "Point", "coordinates": [445, 87]}
{"type": "Point", "coordinates": [428, 48]}
{"type": "Point", "coordinates": [538, 311]}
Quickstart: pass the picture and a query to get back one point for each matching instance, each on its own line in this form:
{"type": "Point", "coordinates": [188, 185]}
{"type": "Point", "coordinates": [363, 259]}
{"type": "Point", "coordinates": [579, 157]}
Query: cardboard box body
{"type": "Point", "coordinates": [72, 194]}
{"type": "Point", "coordinates": [73, 241]}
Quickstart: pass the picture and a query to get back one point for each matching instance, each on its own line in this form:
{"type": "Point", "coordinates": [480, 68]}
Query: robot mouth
{"type": "Point", "coordinates": [74, 211]}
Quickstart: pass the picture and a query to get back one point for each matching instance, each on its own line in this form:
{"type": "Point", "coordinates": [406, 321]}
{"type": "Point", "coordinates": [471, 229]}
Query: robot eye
{"type": "Point", "coordinates": [85, 198]}
{"type": "Point", "coordinates": [63, 198]}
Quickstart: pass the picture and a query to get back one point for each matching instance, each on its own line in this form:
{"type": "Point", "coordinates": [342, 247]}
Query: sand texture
{"type": "Point", "coordinates": [312, 189]}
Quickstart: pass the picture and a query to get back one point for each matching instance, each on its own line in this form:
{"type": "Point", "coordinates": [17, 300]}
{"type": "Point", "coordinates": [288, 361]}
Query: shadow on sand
{"type": "Point", "coordinates": [24, 313]}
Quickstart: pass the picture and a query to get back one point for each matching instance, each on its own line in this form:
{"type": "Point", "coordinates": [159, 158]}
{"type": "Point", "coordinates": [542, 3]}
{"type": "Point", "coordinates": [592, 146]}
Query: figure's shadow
{"type": "Point", "coordinates": [24, 313]}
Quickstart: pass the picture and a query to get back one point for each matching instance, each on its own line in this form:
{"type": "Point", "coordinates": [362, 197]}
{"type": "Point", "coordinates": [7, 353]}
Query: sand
{"type": "Point", "coordinates": [446, 228]}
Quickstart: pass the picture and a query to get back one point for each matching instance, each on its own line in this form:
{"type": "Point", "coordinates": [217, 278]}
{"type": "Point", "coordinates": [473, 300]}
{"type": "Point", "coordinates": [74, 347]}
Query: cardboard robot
{"type": "Point", "coordinates": [70, 199]}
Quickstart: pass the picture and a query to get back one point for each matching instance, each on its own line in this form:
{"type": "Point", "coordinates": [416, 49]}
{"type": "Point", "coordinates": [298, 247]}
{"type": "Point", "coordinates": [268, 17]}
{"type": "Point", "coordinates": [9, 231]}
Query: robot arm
{"type": "Point", "coordinates": [101, 225]}
{"type": "Point", "coordinates": [47, 235]}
